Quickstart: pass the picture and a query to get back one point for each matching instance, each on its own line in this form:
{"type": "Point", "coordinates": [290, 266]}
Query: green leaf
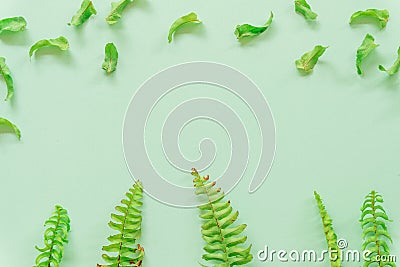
{"type": "Point", "coordinates": [5, 72]}
{"type": "Point", "coordinates": [6, 123]}
{"type": "Point", "coordinates": [308, 60]}
{"type": "Point", "coordinates": [123, 249]}
{"type": "Point", "coordinates": [381, 15]}
{"type": "Point", "coordinates": [330, 235]}
{"type": "Point", "coordinates": [189, 18]}
{"type": "Point", "coordinates": [246, 30]}
{"type": "Point", "coordinates": [395, 67]}
{"type": "Point", "coordinates": [224, 241]}
{"type": "Point", "coordinates": [367, 46]}
{"type": "Point", "coordinates": [303, 8]}
{"type": "Point", "coordinates": [375, 234]}
{"type": "Point", "coordinates": [84, 13]}
{"type": "Point", "coordinates": [15, 24]}
{"type": "Point", "coordinates": [55, 236]}
{"type": "Point", "coordinates": [116, 11]}
{"type": "Point", "coordinates": [111, 58]}
{"type": "Point", "coordinates": [60, 42]}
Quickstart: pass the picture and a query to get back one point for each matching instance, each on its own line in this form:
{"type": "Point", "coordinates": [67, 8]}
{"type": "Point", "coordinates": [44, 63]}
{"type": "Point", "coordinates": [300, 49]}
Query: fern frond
{"type": "Point", "coordinates": [128, 223]}
{"type": "Point", "coordinates": [330, 235]}
{"type": "Point", "coordinates": [224, 243]}
{"type": "Point", "coordinates": [375, 233]}
{"type": "Point", "coordinates": [56, 234]}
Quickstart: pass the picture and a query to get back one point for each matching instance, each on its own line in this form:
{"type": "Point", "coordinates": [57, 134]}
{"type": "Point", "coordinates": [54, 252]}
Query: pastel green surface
{"type": "Point", "coordinates": [337, 133]}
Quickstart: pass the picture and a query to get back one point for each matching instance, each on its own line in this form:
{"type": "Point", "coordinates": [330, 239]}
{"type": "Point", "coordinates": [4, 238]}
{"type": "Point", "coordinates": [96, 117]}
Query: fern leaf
{"type": "Point", "coordinates": [224, 244]}
{"type": "Point", "coordinates": [375, 233]}
{"type": "Point", "coordinates": [55, 236]}
{"type": "Point", "coordinates": [123, 250]}
{"type": "Point", "coordinates": [331, 237]}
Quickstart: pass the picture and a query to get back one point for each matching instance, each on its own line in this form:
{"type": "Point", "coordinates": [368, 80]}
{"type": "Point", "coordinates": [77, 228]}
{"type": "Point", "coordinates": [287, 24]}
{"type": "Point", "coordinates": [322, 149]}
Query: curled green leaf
{"type": "Point", "coordinates": [5, 72]}
{"type": "Point", "coordinates": [116, 11]}
{"type": "Point", "coordinates": [189, 18]}
{"type": "Point", "coordinates": [246, 30]}
{"type": "Point", "coordinates": [381, 15]}
{"type": "Point", "coordinates": [84, 13]}
{"type": "Point", "coordinates": [308, 60]}
{"type": "Point", "coordinates": [55, 236]}
{"type": "Point", "coordinates": [8, 124]}
{"type": "Point", "coordinates": [15, 24]}
{"type": "Point", "coordinates": [60, 42]}
{"type": "Point", "coordinates": [303, 8]}
{"type": "Point", "coordinates": [111, 58]}
{"type": "Point", "coordinates": [395, 67]}
{"type": "Point", "coordinates": [367, 46]}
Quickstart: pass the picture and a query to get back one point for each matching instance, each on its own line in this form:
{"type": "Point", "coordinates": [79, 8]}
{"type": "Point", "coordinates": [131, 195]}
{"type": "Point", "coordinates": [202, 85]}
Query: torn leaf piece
{"type": "Point", "coordinates": [189, 18]}
{"type": "Point", "coordinates": [116, 11]}
{"type": "Point", "coordinates": [111, 58]}
{"type": "Point", "coordinates": [84, 13]}
{"type": "Point", "coordinates": [395, 67]}
{"type": "Point", "coordinates": [367, 46]}
{"type": "Point", "coordinates": [7, 123]}
{"type": "Point", "coordinates": [15, 24]}
{"type": "Point", "coordinates": [381, 15]}
{"type": "Point", "coordinates": [303, 8]}
{"type": "Point", "coordinates": [246, 30]}
{"type": "Point", "coordinates": [308, 60]}
{"type": "Point", "coordinates": [60, 42]}
{"type": "Point", "coordinates": [5, 72]}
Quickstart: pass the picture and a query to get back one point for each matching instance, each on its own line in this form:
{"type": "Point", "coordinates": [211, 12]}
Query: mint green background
{"type": "Point", "coordinates": [336, 132]}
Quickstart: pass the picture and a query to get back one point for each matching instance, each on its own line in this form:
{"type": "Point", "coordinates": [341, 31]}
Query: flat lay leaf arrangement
{"type": "Point", "coordinates": [223, 238]}
{"type": "Point", "coordinates": [55, 236]}
{"type": "Point", "coordinates": [123, 249]}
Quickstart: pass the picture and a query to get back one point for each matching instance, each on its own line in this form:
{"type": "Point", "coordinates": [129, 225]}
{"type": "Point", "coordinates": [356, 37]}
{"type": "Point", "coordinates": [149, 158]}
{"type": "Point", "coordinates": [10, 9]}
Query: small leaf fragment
{"type": "Point", "coordinates": [303, 8]}
{"type": "Point", "coordinates": [7, 123]}
{"type": "Point", "coordinates": [395, 67]}
{"type": "Point", "coordinates": [116, 11]}
{"type": "Point", "coordinates": [308, 60]}
{"type": "Point", "coordinates": [381, 15]}
{"type": "Point", "coordinates": [84, 13]}
{"type": "Point", "coordinates": [189, 18]}
{"type": "Point", "coordinates": [15, 24]}
{"type": "Point", "coordinates": [367, 46]}
{"type": "Point", "coordinates": [111, 58]}
{"type": "Point", "coordinates": [60, 42]}
{"type": "Point", "coordinates": [5, 72]}
{"type": "Point", "coordinates": [246, 30]}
